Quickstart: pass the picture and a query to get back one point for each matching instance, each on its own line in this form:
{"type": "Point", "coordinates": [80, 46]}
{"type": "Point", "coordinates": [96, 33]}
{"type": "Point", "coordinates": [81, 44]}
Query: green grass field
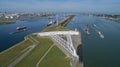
{"type": "Point", "coordinates": [10, 55]}
{"type": "Point", "coordinates": [56, 28]}
{"type": "Point", "coordinates": [55, 58]}
{"type": "Point", "coordinates": [32, 59]}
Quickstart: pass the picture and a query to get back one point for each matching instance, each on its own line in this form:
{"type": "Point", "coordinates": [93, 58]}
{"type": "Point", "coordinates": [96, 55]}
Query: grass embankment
{"type": "Point", "coordinates": [13, 53]}
{"type": "Point", "coordinates": [56, 28]}
{"type": "Point", "coordinates": [32, 59]}
{"type": "Point", "coordinates": [55, 58]}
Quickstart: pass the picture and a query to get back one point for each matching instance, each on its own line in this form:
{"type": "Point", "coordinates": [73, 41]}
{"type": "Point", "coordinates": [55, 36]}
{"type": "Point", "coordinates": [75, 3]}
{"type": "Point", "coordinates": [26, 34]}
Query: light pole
{"type": "Point", "coordinates": [57, 22]}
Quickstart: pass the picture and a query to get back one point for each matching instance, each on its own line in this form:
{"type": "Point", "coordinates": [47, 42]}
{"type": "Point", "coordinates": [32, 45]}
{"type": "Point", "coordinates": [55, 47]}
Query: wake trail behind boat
{"type": "Point", "coordinates": [18, 31]}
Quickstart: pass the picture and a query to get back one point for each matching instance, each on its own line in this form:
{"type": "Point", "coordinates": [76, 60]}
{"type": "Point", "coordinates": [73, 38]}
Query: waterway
{"type": "Point", "coordinates": [7, 39]}
{"type": "Point", "coordinates": [96, 51]}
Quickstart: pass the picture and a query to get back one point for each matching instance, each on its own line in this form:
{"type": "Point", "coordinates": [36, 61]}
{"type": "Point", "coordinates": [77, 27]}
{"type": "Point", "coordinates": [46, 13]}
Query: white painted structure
{"type": "Point", "coordinates": [67, 44]}
{"type": "Point", "coordinates": [58, 33]}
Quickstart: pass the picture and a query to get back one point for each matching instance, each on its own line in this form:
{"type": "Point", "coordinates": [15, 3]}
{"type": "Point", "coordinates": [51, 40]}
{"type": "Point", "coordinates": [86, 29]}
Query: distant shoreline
{"type": "Point", "coordinates": [1, 23]}
{"type": "Point", "coordinates": [115, 18]}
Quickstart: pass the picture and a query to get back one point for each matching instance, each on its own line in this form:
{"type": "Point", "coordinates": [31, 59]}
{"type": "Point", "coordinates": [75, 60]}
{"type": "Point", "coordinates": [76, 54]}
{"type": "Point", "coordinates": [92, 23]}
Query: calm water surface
{"type": "Point", "coordinates": [98, 51]}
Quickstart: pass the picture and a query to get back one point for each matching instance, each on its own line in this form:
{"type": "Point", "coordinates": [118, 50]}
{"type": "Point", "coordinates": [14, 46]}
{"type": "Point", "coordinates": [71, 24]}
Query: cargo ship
{"type": "Point", "coordinates": [21, 28]}
{"type": "Point", "coordinates": [51, 23]}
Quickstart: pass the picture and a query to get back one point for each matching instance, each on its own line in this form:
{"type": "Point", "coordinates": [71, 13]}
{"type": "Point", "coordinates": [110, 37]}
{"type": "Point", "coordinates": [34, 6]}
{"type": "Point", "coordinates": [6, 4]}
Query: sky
{"type": "Point", "coordinates": [107, 6]}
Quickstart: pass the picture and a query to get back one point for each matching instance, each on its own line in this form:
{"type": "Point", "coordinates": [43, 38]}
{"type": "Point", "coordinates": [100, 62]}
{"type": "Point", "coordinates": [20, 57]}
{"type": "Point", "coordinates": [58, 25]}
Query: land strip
{"type": "Point", "coordinates": [1, 23]}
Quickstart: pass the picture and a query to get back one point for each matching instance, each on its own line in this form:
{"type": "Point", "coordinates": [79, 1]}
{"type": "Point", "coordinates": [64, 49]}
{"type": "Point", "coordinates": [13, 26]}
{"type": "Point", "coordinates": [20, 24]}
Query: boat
{"type": "Point", "coordinates": [51, 22]}
{"type": "Point", "coordinates": [87, 30]}
{"type": "Point", "coordinates": [94, 25]}
{"type": "Point", "coordinates": [101, 35]}
{"type": "Point", "coordinates": [21, 28]}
